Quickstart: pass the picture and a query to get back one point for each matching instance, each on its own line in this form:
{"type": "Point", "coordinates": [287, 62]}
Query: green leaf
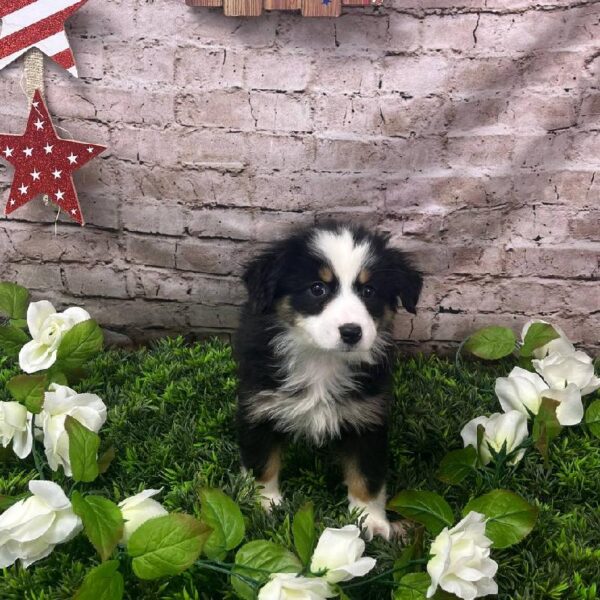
{"type": "Point", "coordinates": [103, 582]}
{"type": "Point", "coordinates": [592, 418]}
{"type": "Point", "coordinates": [102, 522]}
{"type": "Point", "coordinates": [106, 459]}
{"type": "Point", "coordinates": [14, 300]}
{"type": "Point", "coordinates": [457, 464]}
{"type": "Point", "coordinates": [305, 535]}
{"type": "Point", "coordinates": [510, 517]}
{"type": "Point", "coordinates": [83, 450]}
{"type": "Point", "coordinates": [412, 586]}
{"type": "Point", "coordinates": [12, 339]}
{"type": "Point", "coordinates": [256, 559]}
{"type": "Point", "coordinates": [402, 563]}
{"type": "Point", "coordinates": [78, 345]}
{"type": "Point", "coordinates": [491, 343]}
{"type": "Point", "coordinates": [28, 390]}
{"type": "Point", "coordinates": [538, 334]}
{"type": "Point", "coordinates": [167, 545]}
{"type": "Point", "coordinates": [55, 375]}
{"type": "Point", "coordinates": [19, 323]}
{"type": "Point", "coordinates": [225, 519]}
{"type": "Point", "coordinates": [546, 426]}
{"type": "Point", "coordinates": [427, 508]}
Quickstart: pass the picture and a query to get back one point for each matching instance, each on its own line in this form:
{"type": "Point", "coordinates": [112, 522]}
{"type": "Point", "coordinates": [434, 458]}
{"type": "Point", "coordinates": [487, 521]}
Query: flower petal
{"type": "Point", "coordinates": [66, 525]}
{"type": "Point", "coordinates": [51, 493]}
{"type": "Point", "coordinates": [35, 357]}
{"type": "Point", "coordinates": [37, 313]}
{"type": "Point", "coordinates": [570, 410]}
{"type": "Point", "coordinates": [138, 498]}
{"type": "Point", "coordinates": [75, 315]}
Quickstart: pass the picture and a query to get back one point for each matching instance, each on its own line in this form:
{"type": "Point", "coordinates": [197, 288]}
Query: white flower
{"type": "Point", "coordinates": [461, 562]}
{"type": "Point", "coordinates": [59, 402]}
{"type": "Point", "coordinates": [289, 586]}
{"type": "Point", "coordinates": [47, 328]}
{"type": "Point", "coordinates": [340, 552]}
{"type": "Point", "coordinates": [576, 368]}
{"type": "Point", "coordinates": [509, 428]}
{"type": "Point", "coordinates": [31, 528]}
{"type": "Point", "coordinates": [560, 345]}
{"type": "Point", "coordinates": [523, 391]}
{"type": "Point", "coordinates": [15, 426]}
{"type": "Point", "coordinates": [137, 510]}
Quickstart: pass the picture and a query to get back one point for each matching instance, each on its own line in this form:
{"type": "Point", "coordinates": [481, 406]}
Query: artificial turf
{"type": "Point", "coordinates": [170, 419]}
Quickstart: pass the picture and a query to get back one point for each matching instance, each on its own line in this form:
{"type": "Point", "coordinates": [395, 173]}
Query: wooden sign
{"type": "Point", "coordinates": [308, 8]}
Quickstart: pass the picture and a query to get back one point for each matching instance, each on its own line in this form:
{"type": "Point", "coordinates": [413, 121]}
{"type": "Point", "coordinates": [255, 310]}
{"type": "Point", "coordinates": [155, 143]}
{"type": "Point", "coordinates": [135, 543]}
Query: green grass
{"type": "Point", "coordinates": [170, 418]}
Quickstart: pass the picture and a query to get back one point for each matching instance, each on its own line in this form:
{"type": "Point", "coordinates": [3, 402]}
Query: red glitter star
{"type": "Point", "coordinates": [44, 163]}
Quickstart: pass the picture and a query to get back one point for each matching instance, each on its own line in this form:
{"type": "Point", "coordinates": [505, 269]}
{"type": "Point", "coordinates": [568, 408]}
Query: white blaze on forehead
{"type": "Point", "coordinates": [344, 256]}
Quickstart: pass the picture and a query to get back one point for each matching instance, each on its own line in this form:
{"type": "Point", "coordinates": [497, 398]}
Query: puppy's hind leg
{"type": "Point", "coordinates": [364, 459]}
{"type": "Point", "coordinates": [260, 451]}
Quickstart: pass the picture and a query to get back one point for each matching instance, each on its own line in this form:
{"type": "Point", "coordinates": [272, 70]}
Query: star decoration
{"type": "Point", "coordinates": [44, 171]}
{"type": "Point", "coordinates": [38, 24]}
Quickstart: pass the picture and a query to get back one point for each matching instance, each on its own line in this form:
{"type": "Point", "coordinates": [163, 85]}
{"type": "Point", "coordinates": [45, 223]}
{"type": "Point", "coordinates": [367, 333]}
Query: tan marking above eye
{"type": "Point", "coordinates": [326, 274]}
{"type": "Point", "coordinates": [364, 276]}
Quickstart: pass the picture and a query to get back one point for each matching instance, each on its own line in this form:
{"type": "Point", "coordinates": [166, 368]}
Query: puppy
{"type": "Point", "coordinates": [313, 348]}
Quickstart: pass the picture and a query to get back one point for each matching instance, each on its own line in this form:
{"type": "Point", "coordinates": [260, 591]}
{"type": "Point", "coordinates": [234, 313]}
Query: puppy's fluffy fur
{"type": "Point", "coordinates": [313, 348]}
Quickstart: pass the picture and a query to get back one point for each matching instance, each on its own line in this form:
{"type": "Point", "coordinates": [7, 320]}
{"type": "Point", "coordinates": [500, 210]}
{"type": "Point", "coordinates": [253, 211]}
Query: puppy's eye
{"type": "Point", "coordinates": [367, 291]}
{"type": "Point", "coordinates": [318, 289]}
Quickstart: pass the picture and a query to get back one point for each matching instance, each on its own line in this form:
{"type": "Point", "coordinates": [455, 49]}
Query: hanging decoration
{"type": "Point", "coordinates": [44, 163]}
{"type": "Point", "coordinates": [38, 24]}
{"type": "Point", "coordinates": [308, 8]}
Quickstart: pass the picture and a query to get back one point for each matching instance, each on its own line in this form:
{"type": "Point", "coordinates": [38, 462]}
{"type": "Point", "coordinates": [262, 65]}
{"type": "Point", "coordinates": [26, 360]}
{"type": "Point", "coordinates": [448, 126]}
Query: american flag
{"type": "Point", "coordinates": [37, 24]}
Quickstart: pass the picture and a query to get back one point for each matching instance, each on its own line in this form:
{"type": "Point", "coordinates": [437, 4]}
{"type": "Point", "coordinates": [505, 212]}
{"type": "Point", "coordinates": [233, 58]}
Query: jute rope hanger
{"type": "Point", "coordinates": [34, 80]}
{"type": "Point", "coordinates": [34, 73]}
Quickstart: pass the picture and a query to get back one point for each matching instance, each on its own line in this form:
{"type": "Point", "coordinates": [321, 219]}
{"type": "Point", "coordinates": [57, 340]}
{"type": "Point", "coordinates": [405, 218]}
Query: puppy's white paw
{"type": "Point", "coordinates": [270, 499]}
{"type": "Point", "coordinates": [376, 524]}
{"type": "Point", "coordinates": [373, 517]}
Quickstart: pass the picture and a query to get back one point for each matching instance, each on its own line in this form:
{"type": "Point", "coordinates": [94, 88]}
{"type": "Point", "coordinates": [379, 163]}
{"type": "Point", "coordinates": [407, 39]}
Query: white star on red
{"type": "Point", "coordinates": [39, 124]}
{"type": "Point", "coordinates": [48, 148]}
{"type": "Point", "coordinates": [7, 151]}
{"type": "Point", "coordinates": [52, 166]}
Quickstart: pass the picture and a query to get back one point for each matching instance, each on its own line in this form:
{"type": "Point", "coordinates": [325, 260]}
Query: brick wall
{"type": "Point", "coordinates": [468, 129]}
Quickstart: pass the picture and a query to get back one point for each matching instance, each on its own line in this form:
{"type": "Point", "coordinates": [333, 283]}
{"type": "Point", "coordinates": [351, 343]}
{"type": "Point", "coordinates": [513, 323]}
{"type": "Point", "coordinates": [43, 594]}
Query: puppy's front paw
{"type": "Point", "coordinates": [376, 524]}
{"type": "Point", "coordinates": [270, 499]}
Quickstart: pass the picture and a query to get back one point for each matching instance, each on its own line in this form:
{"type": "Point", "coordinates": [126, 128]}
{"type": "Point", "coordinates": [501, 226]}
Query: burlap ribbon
{"type": "Point", "coordinates": [34, 72]}
{"type": "Point", "coordinates": [34, 80]}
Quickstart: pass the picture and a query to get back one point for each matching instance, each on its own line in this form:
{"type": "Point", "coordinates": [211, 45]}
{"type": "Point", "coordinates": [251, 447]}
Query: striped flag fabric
{"type": "Point", "coordinates": [38, 24]}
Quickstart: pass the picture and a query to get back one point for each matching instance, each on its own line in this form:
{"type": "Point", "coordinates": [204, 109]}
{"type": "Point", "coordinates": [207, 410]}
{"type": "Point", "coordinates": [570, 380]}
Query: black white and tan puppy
{"type": "Point", "coordinates": [313, 350]}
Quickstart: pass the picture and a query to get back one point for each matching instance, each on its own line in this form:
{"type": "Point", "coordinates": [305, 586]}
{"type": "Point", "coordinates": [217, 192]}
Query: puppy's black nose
{"type": "Point", "coordinates": [350, 333]}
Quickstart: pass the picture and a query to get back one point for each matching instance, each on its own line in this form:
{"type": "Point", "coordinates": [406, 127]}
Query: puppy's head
{"type": "Point", "coordinates": [335, 286]}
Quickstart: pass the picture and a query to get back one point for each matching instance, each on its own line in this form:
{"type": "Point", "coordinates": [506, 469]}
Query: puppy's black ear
{"type": "Point", "coordinates": [406, 281]}
{"type": "Point", "coordinates": [261, 277]}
